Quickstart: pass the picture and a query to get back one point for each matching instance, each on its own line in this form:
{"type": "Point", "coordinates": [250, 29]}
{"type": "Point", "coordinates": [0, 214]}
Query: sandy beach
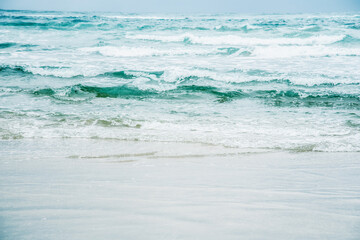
{"type": "Point", "coordinates": [93, 189]}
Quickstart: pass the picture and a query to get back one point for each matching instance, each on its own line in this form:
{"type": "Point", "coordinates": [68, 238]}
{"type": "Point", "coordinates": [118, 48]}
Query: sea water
{"type": "Point", "coordinates": [286, 82]}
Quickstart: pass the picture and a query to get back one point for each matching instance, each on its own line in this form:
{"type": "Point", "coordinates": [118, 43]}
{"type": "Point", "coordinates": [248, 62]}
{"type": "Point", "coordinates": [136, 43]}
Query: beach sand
{"type": "Point", "coordinates": [104, 189]}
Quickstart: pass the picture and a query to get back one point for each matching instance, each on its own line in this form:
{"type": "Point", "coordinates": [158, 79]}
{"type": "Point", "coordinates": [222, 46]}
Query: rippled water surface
{"type": "Point", "coordinates": [286, 82]}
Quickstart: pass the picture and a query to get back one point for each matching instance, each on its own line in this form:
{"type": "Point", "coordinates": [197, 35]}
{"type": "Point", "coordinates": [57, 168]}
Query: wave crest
{"type": "Point", "coordinates": [280, 98]}
{"type": "Point", "coordinates": [238, 40]}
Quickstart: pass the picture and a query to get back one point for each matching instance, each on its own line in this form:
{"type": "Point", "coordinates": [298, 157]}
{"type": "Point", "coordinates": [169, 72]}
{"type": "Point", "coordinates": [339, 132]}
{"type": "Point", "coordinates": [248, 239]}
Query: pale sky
{"type": "Point", "coordinates": [187, 6]}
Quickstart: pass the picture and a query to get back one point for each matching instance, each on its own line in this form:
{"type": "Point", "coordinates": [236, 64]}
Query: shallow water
{"type": "Point", "coordinates": [273, 82]}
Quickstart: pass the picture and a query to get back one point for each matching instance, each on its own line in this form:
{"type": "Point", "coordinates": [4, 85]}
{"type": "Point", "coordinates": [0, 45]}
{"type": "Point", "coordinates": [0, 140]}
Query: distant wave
{"type": "Point", "coordinates": [303, 51]}
{"type": "Point", "coordinates": [7, 45]}
{"type": "Point", "coordinates": [348, 40]}
{"type": "Point", "coordinates": [141, 51]}
{"type": "Point", "coordinates": [19, 69]}
{"type": "Point", "coordinates": [174, 76]}
{"type": "Point", "coordinates": [238, 40]}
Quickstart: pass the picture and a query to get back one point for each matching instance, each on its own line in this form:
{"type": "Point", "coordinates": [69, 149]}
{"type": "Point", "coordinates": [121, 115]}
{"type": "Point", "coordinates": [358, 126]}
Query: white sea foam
{"type": "Point", "coordinates": [245, 134]}
{"type": "Point", "coordinates": [238, 40]}
{"type": "Point", "coordinates": [112, 51]}
{"type": "Point", "coordinates": [58, 72]}
{"type": "Point", "coordinates": [144, 17]}
{"type": "Point", "coordinates": [303, 51]}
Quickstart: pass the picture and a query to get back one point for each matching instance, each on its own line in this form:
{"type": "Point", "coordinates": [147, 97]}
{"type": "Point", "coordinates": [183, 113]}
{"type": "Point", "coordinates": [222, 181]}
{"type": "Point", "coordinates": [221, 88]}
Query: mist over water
{"type": "Point", "coordinates": [287, 82]}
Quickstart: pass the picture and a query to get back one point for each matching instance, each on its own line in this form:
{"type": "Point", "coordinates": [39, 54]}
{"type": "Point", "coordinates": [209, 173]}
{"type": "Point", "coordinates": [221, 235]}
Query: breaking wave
{"type": "Point", "coordinates": [238, 40]}
{"type": "Point", "coordinates": [280, 98]}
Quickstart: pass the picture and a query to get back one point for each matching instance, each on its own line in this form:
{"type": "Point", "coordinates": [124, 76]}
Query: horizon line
{"type": "Point", "coordinates": [185, 12]}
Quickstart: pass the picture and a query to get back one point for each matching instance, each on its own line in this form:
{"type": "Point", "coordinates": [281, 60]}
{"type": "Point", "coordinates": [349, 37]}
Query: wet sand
{"type": "Point", "coordinates": [93, 189]}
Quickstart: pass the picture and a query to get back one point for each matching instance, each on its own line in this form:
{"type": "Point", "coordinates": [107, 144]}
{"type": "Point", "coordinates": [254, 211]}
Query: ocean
{"type": "Point", "coordinates": [288, 82]}
{"type": "Point", "coordinates": [173, 126]}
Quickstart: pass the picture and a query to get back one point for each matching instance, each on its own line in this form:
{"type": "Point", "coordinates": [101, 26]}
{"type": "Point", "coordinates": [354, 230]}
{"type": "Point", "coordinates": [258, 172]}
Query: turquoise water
{"type": "Point", "coordinates": [288, 82]}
